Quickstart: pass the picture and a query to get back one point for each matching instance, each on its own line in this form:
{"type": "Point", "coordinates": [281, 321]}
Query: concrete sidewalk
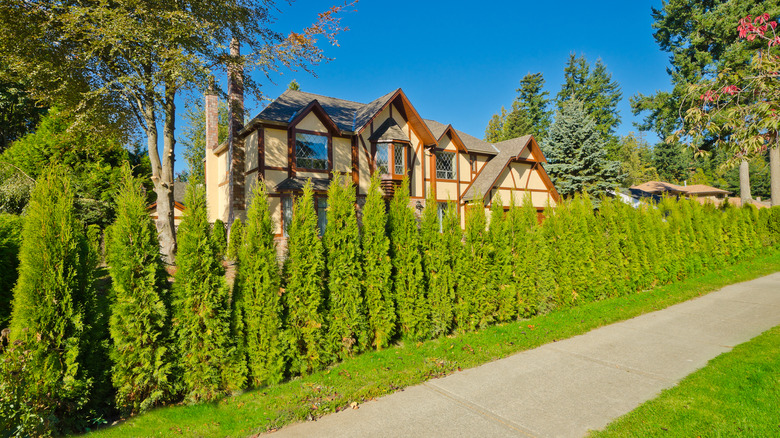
{"type": "Point", "coordinates": [566, 388]}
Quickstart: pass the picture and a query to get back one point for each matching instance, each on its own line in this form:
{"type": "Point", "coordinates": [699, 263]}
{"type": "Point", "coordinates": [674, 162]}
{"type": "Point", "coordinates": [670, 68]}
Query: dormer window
{"type": "Point", "coordinates": [311, 151]}
{"type": "Point", "coordinates": [391, 159]}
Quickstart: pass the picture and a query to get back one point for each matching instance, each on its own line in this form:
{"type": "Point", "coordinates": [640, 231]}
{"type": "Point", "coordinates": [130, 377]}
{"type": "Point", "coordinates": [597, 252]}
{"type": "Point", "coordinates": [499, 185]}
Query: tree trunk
{"type": "Point", "coordinates": [744, 182]}
{"type": "Point", "coordinates": [164, 191]}
{"type": "Point", "coordinates": [164, 184]}
{"type": "Point", "coordinates": [774, 171]}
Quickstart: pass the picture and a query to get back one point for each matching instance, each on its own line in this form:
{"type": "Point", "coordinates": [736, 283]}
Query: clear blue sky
{"type": "Point", "coordinates": [459, 62]}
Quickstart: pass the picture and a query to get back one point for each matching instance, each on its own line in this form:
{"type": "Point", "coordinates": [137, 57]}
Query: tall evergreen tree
{"type": "Point", "coordinates": [533, 100]}
{"type": "Point", "coordinates": [495, 128]}
{"type": "Point", "coordinates": [202, 308]}
{"type": "Point", "coordinates": [474, 307]}
{"type": "Point", "coordinates": [577, 155]}
{"type": "Point", "coordinates": [219, 235]}
{"type": "Point", "coordinates": [143, 363]}
{"type": "Point", "coordinates": [499, 235]}
{"type": "Point", "coordinates": [378, 267]}
{"type": "Point", "coordinates": [258, 296]}
{"type": "Point", "coordinates": [305, 289]}
{"type": "Point", "coordinates": [235, 240]}
{"type": "Point", "coordinates": [347, 331]}
{"type": "Point", "coordinates": [408, 280]}
{"type": "Point", "coordinates": [54, 306]}
{"type": "Point", "coordinates": [440, 236]}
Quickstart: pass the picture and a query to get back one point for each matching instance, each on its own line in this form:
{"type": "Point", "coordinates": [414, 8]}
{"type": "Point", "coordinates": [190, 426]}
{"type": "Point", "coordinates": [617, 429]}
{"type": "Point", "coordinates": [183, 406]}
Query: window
{"type": "Point", "coordinates": [287, 212]}
{"type": "Point", "coordinates": [391, 156]}
{"type": "Point", "coordinates": [311, 151]}
{"type": "Point", "coordinates": [442, 211]}
{"type": "Point", "coordinates": [445, 165]}
{"type": "Point", "coordinates": [322, 214]}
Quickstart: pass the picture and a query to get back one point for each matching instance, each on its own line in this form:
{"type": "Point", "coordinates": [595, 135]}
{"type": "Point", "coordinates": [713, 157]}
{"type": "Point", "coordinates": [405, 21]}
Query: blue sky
{"type": "Point", "coordinates": [459, 64]}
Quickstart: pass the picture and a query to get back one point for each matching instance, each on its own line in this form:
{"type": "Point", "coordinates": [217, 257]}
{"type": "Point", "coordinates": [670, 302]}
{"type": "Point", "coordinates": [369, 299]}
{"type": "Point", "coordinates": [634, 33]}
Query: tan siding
{"type": "Point", "coordinates": [273, 178]}
{"type": "Point", "coordinates": [417, 166]}
{"type": "Point", "coordinates": [363, 166]}
{"type": "Point", "coordinates": [465, 169]}
{"type": "Point", "coordinates": [251, 151]}
{"type": "Point", "coordinates": [540, 199]}
{"type": "Point", "coordinates": [249, 183]}
{"type": "Point", "coordinates": [311, 175]}
{"type": "Point", "coordinates": [275, 207]}
{"type": "Point", "coordinates": [342, 155]}
{"type": "Point", "coordinates": [312, 123]}
{"type": "Point", "coordinates": [536, 181]}
{"type": "Point", "coordinates": [275, 147]}
{"type": "Point", "coordinates": [446, 191]}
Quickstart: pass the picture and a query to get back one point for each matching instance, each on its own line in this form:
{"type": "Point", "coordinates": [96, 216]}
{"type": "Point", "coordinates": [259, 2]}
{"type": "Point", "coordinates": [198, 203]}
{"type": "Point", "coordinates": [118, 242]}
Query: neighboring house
{"type": "Point", "coordinates": [178, 203]}
{"type": "Point", "coordinates": [658, 189]}
{"type": "Point", "coordinates": [301, 136]}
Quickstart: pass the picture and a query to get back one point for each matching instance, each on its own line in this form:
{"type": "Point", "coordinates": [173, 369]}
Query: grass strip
{"type": "Point", "coordinates": [736, 394]}
{"type": "Point", "coordinates": [374, 374]}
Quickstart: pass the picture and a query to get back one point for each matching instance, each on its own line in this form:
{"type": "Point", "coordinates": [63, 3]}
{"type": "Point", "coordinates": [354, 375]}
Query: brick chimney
{"type": "Point", "coordinates": [236, 145]}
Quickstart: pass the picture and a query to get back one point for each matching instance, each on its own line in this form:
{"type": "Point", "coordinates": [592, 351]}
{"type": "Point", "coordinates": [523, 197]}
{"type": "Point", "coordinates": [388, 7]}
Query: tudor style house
{"type": "Point", "coordinates": [301, 136]}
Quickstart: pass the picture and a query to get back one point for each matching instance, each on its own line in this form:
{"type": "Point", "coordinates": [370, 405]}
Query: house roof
{"type": "Point", "coordinates": [508, 150]}
{"type": "Point", "coordinates": [296, 183]}
{"type": "Point", "coordinates": [389, 131]}
{"type": "Point", "coordinates": [660, 187]}
{"type": "Point", "coordinates": [472, 143]}
{"type": "Point", "coordinates": [179, 188]}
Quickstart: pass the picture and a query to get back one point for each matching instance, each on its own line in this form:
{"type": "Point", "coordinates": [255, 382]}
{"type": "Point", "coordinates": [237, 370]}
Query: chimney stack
{"type": "Point", "coordinates": [212, 117]}
{"type": "Point", "coordinates": [236, 146]}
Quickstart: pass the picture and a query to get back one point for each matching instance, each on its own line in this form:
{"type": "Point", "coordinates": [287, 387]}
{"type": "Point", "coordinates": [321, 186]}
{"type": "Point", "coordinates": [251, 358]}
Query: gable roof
{"type": "Point", "coordinates": [389, 131]}
{"type": "Point", "coordinates": [471, 143]}
{"type": "Point", "coordinates": [509, 150]}
{"type": "Point", "coordinates": [285, 107]}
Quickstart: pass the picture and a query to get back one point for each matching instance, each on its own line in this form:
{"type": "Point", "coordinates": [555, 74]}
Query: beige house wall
{"type": "Point", "coordinates": [364, 169]}
{"type": "Point", "coordinates": [312, 123]}
{"type": "Point", "coordinates": [274, 177]}
{"type": "Point", "coordinates": [342, 155]}
{"type": "Point", "coordinates": [446, 191]}
{"type": "Point", "coordinates": [250, 151]}
{"type": "Point", "coordinates": [275, 147]}
{"type": "Point", "coordinates": [275, 207]}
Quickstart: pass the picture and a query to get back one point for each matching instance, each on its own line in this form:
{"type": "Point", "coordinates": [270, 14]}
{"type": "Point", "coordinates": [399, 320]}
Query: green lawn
{"type": "Point", "coordinates": [378, 373]}
{"type": "Point", "coordinates": [736, 394]}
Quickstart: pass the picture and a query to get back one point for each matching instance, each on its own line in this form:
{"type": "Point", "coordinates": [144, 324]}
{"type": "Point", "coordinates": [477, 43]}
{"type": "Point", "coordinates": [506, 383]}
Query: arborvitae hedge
{"type": "Point", "coordinates": [408, 282]}
{"type": "Point", "coordinates": [305, 289]}
{"type": "Point", "coordinates": [475, 305]}
{"type": "Point", "coordinates": [219, 235]}
{"type": "Point", "coordinates": [258, 296]}
{"type": "Point", "coordinates": [142, 356]}
{"type": "Point", "coordinates": [54, 313]}
{"type": "Point", "coordinates": [377, 267]}
{"type": "Point", "coordinates": [499, 237]}
{"type": "Point", "coordinates": [10, 241]}
{"type": "Point", "coordinates": [236, 237]}
{"type": "Point", "coordinates": [347, 327]}
{"type": "Point", "coordinates": [202, 309]}
{"type": "Point", "coordinates": [441, 247]}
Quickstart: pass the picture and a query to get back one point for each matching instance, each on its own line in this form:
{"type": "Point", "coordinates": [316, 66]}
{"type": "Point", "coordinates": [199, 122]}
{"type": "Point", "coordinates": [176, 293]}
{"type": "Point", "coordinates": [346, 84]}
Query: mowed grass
{"type": "Point", "coordinates": [374, 374]}
{"type": "Point", "coordinates": [737, 394]}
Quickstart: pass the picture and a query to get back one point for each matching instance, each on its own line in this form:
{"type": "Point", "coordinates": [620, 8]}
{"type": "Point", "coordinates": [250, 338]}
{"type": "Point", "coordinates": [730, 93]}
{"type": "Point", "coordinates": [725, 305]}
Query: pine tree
{"type": "Point", "coordinates": [495, 128]}
{"type": "Point", "coordinates": [440, 247]}
{"type": "Point", "coordinates": [53, 307]}
{"type": "Point", "coordinates": [534, 102]}
{"type": "Point", "coordinates": [219, 235]}
{"type": "Point", "coordinates": [378, 268]}
{"type": "Point", "coordinates": [516, 124]}
{"type": "Point", "coordinates": [347, 327]}
{"type": "Point", "coordinates": [143, 363]}
{"type": "Point", "coordinates": [236, 239]}
{"type": "Point", "coordinates": [257, 295]}
{"type": "Point", "coordinates": [202, 308]}
{"type": "Point", "coordinates": [577, 156]}
{"type": "Point", "coordinates": [408, 281]}
{"type": "Point", "coordinates": [305, 289]}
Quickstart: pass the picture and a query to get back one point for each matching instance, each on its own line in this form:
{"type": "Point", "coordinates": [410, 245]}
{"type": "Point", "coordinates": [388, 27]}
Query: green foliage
{"type": "Point", "coordinates": [440, 236]}
{"type": "Point", "coordinates": [577, 155]}
{"type": "Point", "coordinates": [377, 267]}
{"type": "Point", "coordinates": [258, 296]}
{"type": "Point", "coordinates": [534, 102]}
{"type": "Point", "coordinates": [141, 352]}
{"type": "Point", "coordinates": [202, 309]}
{"type": "Point", "coordinates": [408, 279]}
{"type": "Point", "coordinates": [236, 238]}
{"type": "Point", "coordinates": [92, 159]}
{"type": "Point", "coordinates": [304, 273]}
{"type": "Point", "coordinates": [15, 189]}
{"type": "Point", "coordinates": [347, 327]}
{"type": "Point", "coordinates": [597, 91]}
{"type": "Point", "coordinates": [499, 239]}
{"type": "Point", "coordinates": [474, 305]}
{"type": "Point", "coordinates": [636, 161]}
{"type": "Point", "coordinates": [54, 309]}
{"type": "Point", "coordinates": [10, 241]}
{"type": "Point", "coordinates": [19, 113]}
{"type": "Point", "coordinates": [219, 235]}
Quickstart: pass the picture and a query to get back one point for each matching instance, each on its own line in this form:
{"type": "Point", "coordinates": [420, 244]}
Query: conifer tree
{"type": "Point", "coordinates": [347, 330]}
{"type": "Point", "coordinates": [257, 295]}
{"type": "Point", "coordinates": [378, 268]}
{"type": "Point", "coordinates": [521, 224]}
{"type": "Point", "coordinates": [408, 281]}
{"type": "Point", "coordinates": [577, 154]}
{"type": "Point", "coordinates": [10, 241]}
{"type": "Point", "coordinates": [202, 309]}
{"type": "Point", "coordinates": [440, 238]}
{"type": "Point", "coordinates": [143, 363]}
{"type": "Point", "coordinates": [504, 293]}
{"type": "Point", "coordinates": [474, 307]}
{"type": "Point", "coordinates": [236, 239]}
{"type": "Point", "coordinates": [53, 307]}
{"type": "Point", "coordinates": [219, 235]}
{"type": "Point", "coordinates": [305, 289]}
